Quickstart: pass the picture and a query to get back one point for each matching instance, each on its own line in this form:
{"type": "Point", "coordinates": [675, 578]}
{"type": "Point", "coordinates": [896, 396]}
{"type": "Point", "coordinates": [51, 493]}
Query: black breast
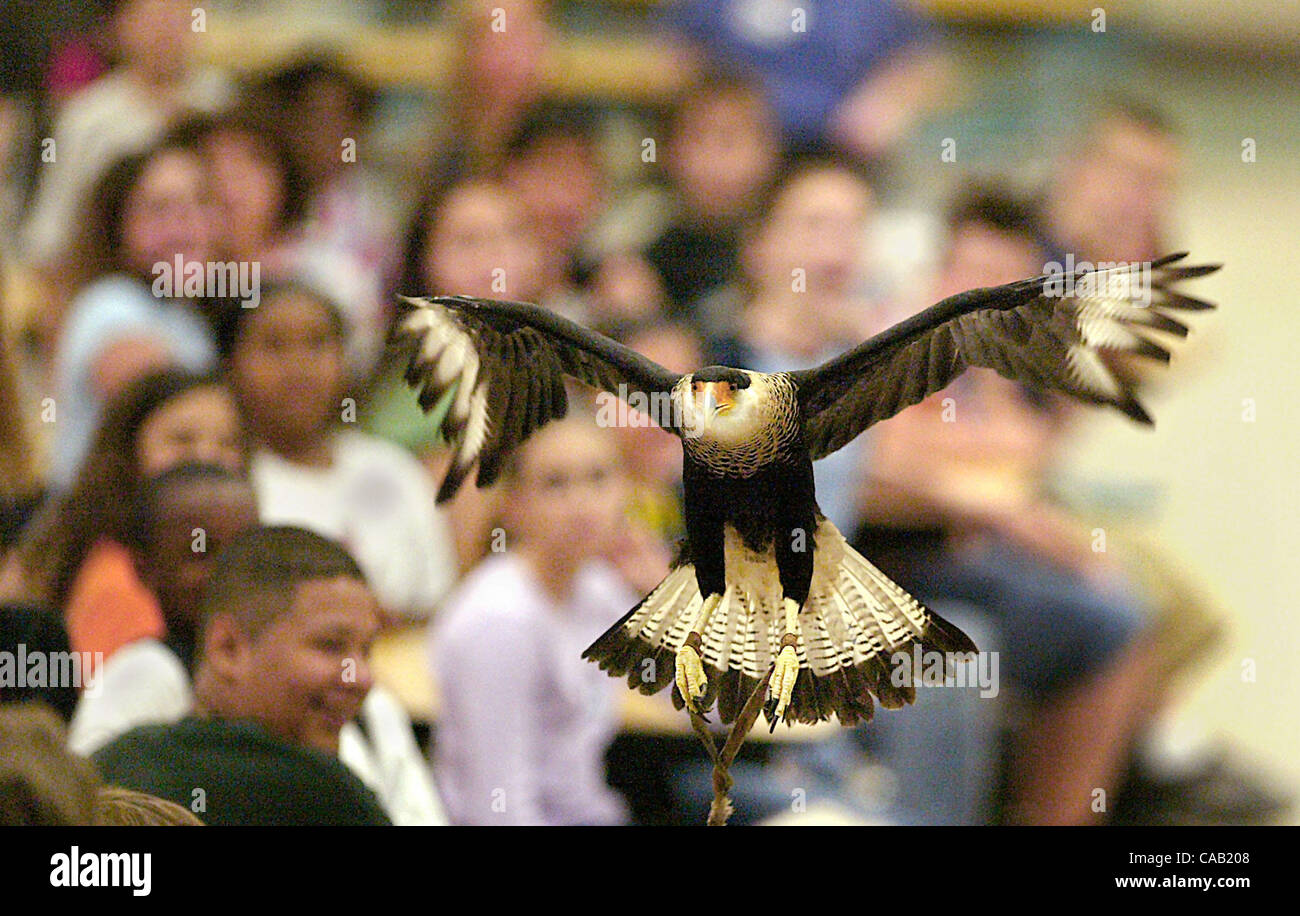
{"type": "Point", "coordinates": [771, 502]}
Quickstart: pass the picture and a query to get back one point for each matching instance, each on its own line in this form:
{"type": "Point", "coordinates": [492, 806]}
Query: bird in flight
{"type": "Point", "coordinates": [764, 582]}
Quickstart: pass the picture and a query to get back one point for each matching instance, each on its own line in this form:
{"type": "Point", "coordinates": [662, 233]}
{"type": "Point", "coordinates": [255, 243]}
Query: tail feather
{"type": "Point", "coordinates": [854, 621]}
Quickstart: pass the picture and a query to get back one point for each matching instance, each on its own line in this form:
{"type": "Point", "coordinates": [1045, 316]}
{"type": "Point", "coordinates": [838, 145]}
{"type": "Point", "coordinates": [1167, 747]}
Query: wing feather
{"type": "Point", "coordinates": [507, 362]}
{"type": "Point", "coordinates": [1037, 331]}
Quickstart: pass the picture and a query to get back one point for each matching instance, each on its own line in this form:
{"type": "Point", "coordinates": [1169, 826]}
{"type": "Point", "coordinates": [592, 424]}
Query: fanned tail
{"type": "Point", "coordinates": [854, 622]}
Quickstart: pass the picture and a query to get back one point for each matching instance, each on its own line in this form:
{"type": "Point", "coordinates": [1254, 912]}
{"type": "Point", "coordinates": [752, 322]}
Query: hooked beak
{"type": "Point", "coordinates": [715, 397]}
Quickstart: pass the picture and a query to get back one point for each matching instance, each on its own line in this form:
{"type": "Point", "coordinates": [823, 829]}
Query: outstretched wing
{"type": "Point", "coordinates": [508, 361]}
{"type": "Point", "coordinates": [1046, 331]}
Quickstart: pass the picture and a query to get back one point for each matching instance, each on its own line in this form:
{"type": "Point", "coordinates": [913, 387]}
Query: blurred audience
{"type": "Point", "coordinates": [122, 113]}
{"type": "Point", "coordinates": [744, 229]}
{"type": "Point", "coordinates": [961, 474]}
{"type": "Point", "coordinates": [1127, 160]}
{"type": "Point", "coordinates": [76, 556]}
{"type": "Point", "coordinates": [264, 198]}
{"type": "Point", "coordinates": [183, 517]}
{"type": "Point", "coordinates": [348, 238]}
{"type": "Point", "coordinates": [148, 212]}
{"type": "Point", "coordinates": [498, 72]}
{"type": "Point", "coordinates": [311, 466]}
{"type": "Point", "coordinates": [856, 74]}
{"type": "Point", "coordinates": [720, 147]}
{"type": "Point", "coordinates": [553, 168]}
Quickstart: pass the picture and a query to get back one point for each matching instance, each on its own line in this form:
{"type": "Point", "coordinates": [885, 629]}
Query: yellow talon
{"type": "Point", "coordinates": [691, 681]}
{"type": "Point", "coordinates": [689, 674]}
{"type": "Point", "coordinates": [783, 678]}
{"type": "Point", "coordinates": [786, 670]}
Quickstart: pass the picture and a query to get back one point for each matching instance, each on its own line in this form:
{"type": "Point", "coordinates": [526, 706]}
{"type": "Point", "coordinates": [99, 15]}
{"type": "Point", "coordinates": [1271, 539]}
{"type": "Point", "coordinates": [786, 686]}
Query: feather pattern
{"type": "Point", "coordinates": [507, 362]}
{"type": "Point", "coordinates": [854, 621]}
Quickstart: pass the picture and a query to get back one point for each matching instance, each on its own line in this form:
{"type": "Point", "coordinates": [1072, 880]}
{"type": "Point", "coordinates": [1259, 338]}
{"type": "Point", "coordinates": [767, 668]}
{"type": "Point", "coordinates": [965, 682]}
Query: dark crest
{"type": "Point", "coordinates": [734, 377]}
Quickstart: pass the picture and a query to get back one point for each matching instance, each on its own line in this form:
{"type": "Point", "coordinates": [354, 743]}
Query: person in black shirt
{"type": "Point", "coordinates": [722, 147]}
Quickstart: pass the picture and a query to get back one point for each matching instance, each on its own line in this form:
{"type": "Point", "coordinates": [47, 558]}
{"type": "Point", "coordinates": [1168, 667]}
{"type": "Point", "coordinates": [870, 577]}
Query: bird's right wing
{"type": "Point", "coordinates": [1029, 331]}
{"type": "Point", "coordinates": [508, 361]}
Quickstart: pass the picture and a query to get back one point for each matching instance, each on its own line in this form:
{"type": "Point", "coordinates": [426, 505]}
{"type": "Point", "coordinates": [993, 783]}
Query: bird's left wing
{"type": "Point", "coordinates": [1045, 331]}
{"type": "Point", "coordinates": [508, 361]}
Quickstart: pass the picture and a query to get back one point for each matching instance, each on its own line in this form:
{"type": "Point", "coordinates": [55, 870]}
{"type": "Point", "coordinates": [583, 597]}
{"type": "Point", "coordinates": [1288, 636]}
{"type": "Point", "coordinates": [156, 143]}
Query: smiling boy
{"type": "Point", "coordinates": [283, 664]}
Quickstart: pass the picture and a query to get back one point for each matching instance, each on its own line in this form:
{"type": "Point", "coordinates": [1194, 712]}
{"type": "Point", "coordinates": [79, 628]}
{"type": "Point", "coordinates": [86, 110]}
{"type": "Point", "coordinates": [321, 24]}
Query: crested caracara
{"type": "Point", "coordinates": [763, 580]}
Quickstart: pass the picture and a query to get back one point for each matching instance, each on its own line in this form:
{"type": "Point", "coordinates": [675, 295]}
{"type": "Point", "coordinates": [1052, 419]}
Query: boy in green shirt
{"type": "Point", "coordinates": [283, 663]}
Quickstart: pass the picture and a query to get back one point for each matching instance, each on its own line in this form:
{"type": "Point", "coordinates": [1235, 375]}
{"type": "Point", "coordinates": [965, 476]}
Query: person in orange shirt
{"type": "Point", "coordinates": [75, 556]}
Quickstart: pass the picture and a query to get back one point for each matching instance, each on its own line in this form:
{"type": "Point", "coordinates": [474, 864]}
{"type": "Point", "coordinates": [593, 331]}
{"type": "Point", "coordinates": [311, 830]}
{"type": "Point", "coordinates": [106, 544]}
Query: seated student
{"type": "Point", "coordinates": [959, 513]}
{"type": "Point", "coordinates": [149, 209]}
{"type": "Point", "coordinates": [74, 556]}
{"type": "Point", "coordinates": [287, 625]}
{"type": "Point", "coordinates": [312, 467]}
{"type": "Point", "coordinates": [184, 517]}
{"type": "Point", "coordinates": [148, 682]}
{"type": "Point", "coordinates": [721, 149]}
{"type": "Point", "coordinates": [525, 721]}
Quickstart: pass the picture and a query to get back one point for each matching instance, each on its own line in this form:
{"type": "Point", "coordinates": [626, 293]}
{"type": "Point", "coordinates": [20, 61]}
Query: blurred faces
{"type": "Point", "coordinates": [568, 491]}
{"type": "Point", "coordinates": [170, 211]}
{"type": "Point", "coordinates": [481, 239]}
{"type": "Point", "coordinates": [288, 371]}
{"type": "Point", "coordinates": [817, 224]}
{"type": "Point", "coordinates": [1113, 200]}
{"type": "Point", "coordinates": [177, 571]}
{"type": "Point", "coordinates": [250, 188]}
{"type": "Point", "coordinates": [153, 36]}
{"type": "Point", "coordinates": [979, 255]}
{"type": "Point", "coordinates": [306, 674]}
{"type": "Point", "coordinates": [722, 151]}
{"type": "Point", "coordinates": [200, 425]}
{"type": "Point", "coordinates": [557, 182]}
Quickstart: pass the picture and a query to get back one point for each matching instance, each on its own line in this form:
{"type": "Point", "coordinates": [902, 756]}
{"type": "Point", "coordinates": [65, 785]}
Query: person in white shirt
{"type": "Point", "coordinates": [311, 468]}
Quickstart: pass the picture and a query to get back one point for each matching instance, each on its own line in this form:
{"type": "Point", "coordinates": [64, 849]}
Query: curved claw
{"type": "Point", "coordinates": [689, 674]}
{"type": "Point", "coordinates": [783, 678]}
